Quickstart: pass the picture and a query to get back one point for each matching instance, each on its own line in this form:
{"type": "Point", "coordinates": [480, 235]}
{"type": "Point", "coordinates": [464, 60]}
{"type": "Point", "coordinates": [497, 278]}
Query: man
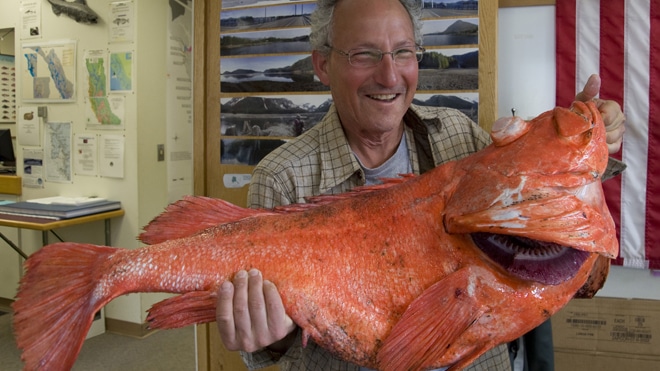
{"type": "Point", "coordinates": [365, 51]}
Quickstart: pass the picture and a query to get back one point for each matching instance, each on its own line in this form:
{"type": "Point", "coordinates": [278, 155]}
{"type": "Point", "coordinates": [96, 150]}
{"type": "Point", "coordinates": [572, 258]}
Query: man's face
{"type": "Point", "coordinates": [372, 100]}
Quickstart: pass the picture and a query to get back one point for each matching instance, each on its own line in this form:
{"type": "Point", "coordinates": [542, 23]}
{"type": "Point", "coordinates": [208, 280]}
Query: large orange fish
{"type": "Point", "coordinates": [422, 272]}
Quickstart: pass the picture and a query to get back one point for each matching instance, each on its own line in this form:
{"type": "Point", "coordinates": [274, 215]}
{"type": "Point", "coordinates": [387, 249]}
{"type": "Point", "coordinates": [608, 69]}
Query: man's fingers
{"type": "Point", "coordinates": [590, 90]}
{"type": "Point", "coordinates": [614, 120]}
{"type": "Point", "coordinates": [242, 315]}
{"type": "Point", "coordinates": [615, 139]}
{"type": "Point", "coordinates": [224, 315]}
{"type": "Point", "coordinates": [279, 323]}
{"type": "Point", "coordinates": [250, 313]}
{"type": "Point", "coordinates": [257, 307]}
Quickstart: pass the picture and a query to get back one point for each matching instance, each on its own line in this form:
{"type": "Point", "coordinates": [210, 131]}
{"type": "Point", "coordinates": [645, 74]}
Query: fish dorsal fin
{"type": "Point", "coordinates": [193, 214]}
{"type": "Point", "coordinates": [430, 324]}
{"type": "Point", "coordinates": [320, 200]}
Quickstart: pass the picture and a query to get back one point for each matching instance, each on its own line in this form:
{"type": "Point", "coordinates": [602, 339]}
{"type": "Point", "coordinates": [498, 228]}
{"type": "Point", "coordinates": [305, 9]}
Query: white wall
{"type": "Point", "coordinates": [143, 189]}
{"type": "Point", "coordinates": [526, 82]}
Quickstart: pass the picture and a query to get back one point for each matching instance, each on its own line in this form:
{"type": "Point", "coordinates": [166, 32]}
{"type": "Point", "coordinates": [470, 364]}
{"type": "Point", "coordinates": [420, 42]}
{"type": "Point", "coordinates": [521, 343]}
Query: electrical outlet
{"type": "Point", "coordinates": [161, 152]}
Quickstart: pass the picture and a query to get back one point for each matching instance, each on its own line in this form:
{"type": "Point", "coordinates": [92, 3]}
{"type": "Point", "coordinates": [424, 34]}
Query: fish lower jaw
{"type": "Point", "coordinates": [531, 260]}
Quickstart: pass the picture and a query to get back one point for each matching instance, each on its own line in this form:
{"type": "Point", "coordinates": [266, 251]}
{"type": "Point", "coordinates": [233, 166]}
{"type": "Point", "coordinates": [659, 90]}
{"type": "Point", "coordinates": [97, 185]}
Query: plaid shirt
{"type": "Point", "coordinates": [320, 161]}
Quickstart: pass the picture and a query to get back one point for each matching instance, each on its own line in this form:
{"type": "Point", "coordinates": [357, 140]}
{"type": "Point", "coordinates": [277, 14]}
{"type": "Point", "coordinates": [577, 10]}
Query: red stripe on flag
{"type": "Point", "coordinates": [565, 24]}
{"type": "Point", "coordinates": [612, 20]}
{"type": "Point", "coordinates": [652, 242]}
{"type": "Point", "coordinates": [612, 37]}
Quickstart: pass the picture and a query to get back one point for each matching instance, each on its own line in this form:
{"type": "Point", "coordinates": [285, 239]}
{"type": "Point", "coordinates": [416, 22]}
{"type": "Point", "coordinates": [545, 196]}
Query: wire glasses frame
{"type": "Point", "coordinates": [365, 57]}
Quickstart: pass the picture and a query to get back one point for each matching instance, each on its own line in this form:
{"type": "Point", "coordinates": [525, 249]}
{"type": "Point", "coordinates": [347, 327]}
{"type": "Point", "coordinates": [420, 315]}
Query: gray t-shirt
{"type": "Point", "coordinates": [396, 165]}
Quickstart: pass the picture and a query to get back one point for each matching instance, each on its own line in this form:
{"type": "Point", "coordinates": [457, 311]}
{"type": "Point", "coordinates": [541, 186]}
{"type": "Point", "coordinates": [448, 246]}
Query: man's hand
{"type": "Point", "coordinates": [251, 316]}
{"type": "Point", "coordinates": [610, 110]}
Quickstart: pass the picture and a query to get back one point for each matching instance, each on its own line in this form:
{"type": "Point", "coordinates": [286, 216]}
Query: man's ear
{"type": "Point", "coordinates": [320, 63]}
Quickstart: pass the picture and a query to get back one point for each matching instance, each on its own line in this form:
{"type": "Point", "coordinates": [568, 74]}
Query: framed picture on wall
{"type": "Point", "coordinates": [7, 89]}
{"type": "Point", "coordinates": [265, 52]}
{"type": "Point", "coordinates": [48, 72]}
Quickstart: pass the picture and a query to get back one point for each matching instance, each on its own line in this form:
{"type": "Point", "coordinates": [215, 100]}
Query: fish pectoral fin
{"type": "Point", "coordinates": [430, 324]}
{"type": "Point", "coordinates": [183, 310]}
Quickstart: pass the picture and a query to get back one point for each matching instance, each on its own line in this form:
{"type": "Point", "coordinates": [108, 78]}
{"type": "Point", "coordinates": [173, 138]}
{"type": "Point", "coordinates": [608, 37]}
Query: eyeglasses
{"type": "Point", "coordinates": [365, 58]}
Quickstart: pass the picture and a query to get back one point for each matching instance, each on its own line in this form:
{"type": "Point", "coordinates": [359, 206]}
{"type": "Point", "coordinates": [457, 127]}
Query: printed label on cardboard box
{"type": "Point", "coordinates": [609, 325]}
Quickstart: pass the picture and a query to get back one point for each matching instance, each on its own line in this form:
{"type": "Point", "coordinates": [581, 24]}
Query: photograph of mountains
{"type": "Point", "coordinates": [293, 73]}
{"type": "Point", "coordinates": [269, 92]}
{"type": "Point", "coordinates": [290, 116]}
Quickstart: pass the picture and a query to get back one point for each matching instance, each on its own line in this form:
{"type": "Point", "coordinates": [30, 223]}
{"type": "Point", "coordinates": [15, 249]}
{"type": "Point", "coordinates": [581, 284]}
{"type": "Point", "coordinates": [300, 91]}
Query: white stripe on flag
{"type": "Point", "coordinates": [635, 151]}
{"type": "Point", "coordinates": [587, 44]}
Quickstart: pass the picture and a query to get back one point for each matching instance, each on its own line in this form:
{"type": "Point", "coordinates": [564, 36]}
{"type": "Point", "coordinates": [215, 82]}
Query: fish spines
{"type": "Point", "coordinates": [56, 303]}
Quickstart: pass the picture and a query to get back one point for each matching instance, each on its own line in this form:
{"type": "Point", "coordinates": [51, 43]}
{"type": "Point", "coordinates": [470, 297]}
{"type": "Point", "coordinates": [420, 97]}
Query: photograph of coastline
{"type": "Point", "coordinates": [246, 151]}
{"type": "Point", "coordinates": [450, 8]}
{"type": "Point", "coordinates": [281, 73]}
{"type": "Point", "coordinates": [293, 40]}
{"type": "Point", "coordinates": [445, 32]}
{"type": "Point", "coordinates": [468, 103]}
{"type": "Point", "coordinates": [227, 4]}
{"type": "Point", "coordinates": [449, 69]}
{"type": "Point", "coordinates": [273, 115]}
{"type": "Point", "coordinates": [270, 17]}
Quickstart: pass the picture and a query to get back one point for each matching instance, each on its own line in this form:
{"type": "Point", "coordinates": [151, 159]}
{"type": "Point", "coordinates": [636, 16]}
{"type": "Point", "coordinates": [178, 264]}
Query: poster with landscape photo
{"type": "Point", "coordinates": [268, 90]}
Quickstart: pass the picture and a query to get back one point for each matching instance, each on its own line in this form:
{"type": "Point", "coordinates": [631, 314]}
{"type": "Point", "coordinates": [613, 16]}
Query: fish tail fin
{"type": "Point", "coordinates": [56, 303]}
{"type": "Point", "coordinates": [183, 310]}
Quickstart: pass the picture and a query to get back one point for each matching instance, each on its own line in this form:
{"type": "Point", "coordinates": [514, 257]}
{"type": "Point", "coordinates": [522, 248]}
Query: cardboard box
{"type": "Point", "coordinates": [607, 334]}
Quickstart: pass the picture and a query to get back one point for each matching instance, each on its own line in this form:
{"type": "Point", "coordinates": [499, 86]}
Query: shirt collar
{"type": "Point", "coordinates": [337, 161]}
{"type": "Point", "coordinates": [338, 164]}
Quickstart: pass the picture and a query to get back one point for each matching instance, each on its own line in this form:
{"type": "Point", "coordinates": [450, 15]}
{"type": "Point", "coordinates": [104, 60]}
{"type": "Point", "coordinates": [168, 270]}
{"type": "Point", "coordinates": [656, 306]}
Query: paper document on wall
{"type": "Point", "coordinates": [86, 159]}
{"type": "Point", "coordinates": [28, 126]}
{"type": "Point", "coordinates": [57, 152]}
{"type": "Point", "coordinates": [33, 168]}
{"type": "Point", "coordinates": [112, 156]}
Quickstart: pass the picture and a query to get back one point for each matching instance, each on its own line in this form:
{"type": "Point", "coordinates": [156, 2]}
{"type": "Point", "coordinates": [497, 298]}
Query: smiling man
{"type": "Point", "coordinates": [367, 52]}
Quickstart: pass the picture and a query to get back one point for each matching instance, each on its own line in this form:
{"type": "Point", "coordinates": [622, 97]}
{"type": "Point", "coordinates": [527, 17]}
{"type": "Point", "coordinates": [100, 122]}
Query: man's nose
{"type": "Point", "coordinates": [386, 72]}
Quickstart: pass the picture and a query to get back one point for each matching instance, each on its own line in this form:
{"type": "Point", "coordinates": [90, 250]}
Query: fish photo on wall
{"type": "Point", "coordinates": [78, 10]}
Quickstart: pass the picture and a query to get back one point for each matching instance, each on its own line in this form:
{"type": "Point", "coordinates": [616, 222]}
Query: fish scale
{"type": "Point", "coordinates": [388, 277]}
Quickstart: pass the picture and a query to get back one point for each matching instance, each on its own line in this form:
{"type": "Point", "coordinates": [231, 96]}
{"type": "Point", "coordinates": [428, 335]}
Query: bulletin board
{"type": "Point", "coordinates": [255, 83]}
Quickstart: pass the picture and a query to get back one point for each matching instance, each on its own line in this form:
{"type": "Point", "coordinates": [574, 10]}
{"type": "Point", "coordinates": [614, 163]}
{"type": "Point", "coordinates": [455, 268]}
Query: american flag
{"type": "Point", "coordinates": [620, 40]}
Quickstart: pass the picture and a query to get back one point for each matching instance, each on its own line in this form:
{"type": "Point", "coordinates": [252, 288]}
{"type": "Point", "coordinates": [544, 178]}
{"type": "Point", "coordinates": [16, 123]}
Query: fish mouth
{"type": "Point", "coordinates": [574, 217]}
{"type": "Point", "coordinates": [531, 260]}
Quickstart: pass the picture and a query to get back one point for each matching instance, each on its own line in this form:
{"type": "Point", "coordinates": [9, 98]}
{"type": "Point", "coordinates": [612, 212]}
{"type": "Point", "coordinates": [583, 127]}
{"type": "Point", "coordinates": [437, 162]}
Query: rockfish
{"type": "Point", "coordinates": [423, 271]}
{"type": "Point", "coordinates": [76, 9]}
